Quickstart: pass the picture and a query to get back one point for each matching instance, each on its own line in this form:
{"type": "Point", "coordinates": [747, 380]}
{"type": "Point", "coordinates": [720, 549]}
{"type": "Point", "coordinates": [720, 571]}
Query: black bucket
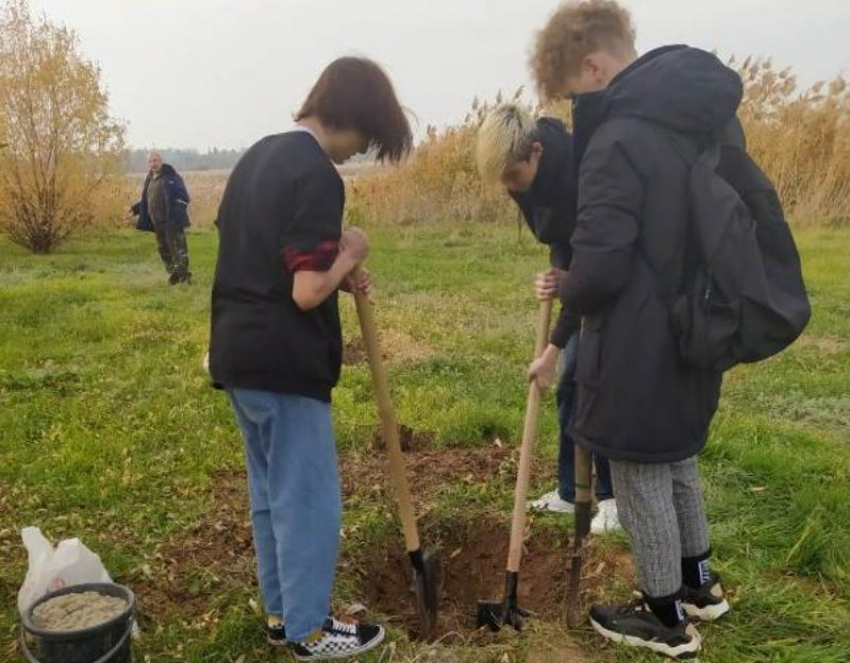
{"type": "Point", "coordinates": [105, 643]}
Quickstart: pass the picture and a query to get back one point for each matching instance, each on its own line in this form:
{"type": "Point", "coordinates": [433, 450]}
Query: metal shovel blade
{"type": "Point", "coordinates": [426, 587]}
{"type": "Point", "coordinates": [507, 612]}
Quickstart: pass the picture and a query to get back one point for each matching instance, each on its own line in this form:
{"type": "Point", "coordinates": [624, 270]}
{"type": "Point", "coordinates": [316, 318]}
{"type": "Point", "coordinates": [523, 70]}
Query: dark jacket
{"type": "Point", "coordinates": [281, 212]}
{"type": "Point", "coordinates": [549, 207]}
{"type": "Point", "coordinates": [176, 201]}
{"type": "Point", "coordinates": [636, 400]}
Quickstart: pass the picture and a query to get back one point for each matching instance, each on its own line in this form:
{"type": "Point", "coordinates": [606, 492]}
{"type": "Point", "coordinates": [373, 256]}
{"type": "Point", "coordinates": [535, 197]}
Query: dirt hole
{"type": "Point", "coordinates": [473, 569]}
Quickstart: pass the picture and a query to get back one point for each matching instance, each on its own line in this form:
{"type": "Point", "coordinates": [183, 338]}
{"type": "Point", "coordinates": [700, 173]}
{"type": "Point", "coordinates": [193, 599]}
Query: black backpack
{"type": "Point", "coordinates": [743, 298]}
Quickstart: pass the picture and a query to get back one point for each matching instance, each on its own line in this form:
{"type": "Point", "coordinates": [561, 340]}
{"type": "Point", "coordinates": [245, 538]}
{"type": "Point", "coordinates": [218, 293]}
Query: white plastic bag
{"type": "Point", "coordinates": [70, 563]}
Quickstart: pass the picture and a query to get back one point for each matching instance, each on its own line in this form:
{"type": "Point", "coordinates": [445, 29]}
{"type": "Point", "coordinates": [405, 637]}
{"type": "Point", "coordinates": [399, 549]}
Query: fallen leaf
{"type": "Point", "coordinates": [355, 609]}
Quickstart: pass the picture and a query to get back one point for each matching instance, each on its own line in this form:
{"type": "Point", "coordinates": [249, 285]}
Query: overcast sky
{"type": "Point", "coordinates": [204, 73]}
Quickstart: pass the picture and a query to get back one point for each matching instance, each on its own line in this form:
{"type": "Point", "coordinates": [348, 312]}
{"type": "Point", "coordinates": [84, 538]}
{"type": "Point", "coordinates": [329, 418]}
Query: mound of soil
{"type": "Point", "coordinates": [430, 469]}
{"type": "Point", "coordinates": [73, 612]}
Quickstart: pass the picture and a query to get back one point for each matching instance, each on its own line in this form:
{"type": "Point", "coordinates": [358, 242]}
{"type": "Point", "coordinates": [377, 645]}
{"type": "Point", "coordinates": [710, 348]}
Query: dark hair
{"type": "Point", "coordinates": [355, 93]}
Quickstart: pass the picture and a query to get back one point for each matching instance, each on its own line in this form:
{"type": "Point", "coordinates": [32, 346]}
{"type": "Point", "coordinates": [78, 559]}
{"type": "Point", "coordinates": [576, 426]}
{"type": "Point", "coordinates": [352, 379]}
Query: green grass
{"type": "Point", "coordinates": [109, 431]}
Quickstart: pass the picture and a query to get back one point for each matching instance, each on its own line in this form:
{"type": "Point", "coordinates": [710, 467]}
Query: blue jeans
{"type": "Point", "coordinates": [566, 459]}
{"type": "Point", "coordinates": [296, 504]}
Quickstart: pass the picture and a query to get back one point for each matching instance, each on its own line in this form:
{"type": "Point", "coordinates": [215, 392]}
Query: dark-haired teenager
{"type": "Point", "coordinates": [276, 343]}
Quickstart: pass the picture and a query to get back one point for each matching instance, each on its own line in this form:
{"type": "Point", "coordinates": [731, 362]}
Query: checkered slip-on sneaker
{"type": "Point", "coordinates": [339, 640]}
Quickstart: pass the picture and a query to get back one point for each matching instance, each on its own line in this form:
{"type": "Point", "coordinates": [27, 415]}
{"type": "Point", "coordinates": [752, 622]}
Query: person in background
{"type": "Point", "coordinates": [533, 160]}
{"type": "Point", "coordinates": [276, 343]}
{"type": "Point", "coordinates": [163, 210]}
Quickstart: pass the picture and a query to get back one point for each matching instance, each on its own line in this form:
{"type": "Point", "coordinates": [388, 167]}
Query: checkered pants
{"type": "Point", "coordinates": [661, 508]}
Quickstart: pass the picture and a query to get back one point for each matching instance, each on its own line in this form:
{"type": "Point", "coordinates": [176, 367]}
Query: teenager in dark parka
{"type": "Point", "coordinates": [637, 401]}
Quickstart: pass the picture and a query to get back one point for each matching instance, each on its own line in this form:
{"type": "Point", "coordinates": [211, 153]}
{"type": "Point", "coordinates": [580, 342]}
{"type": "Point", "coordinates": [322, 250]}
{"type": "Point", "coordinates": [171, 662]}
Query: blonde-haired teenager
{"type": "Point", "coordinates": [533, 160]}
{"type": "Point", "coordinates": [637, 401]}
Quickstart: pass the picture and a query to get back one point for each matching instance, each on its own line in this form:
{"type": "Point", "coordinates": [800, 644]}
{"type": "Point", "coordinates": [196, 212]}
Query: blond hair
{"type": "Point", "coordinates": [573, 32]}
{"type": "Point", "coordinates": [505, 137]}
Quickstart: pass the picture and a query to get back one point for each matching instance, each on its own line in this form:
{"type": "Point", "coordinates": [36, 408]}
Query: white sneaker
{"type": "Point", "coordinates": [606, 519]}
{"type": "Point", "coordinates": [552, 502]}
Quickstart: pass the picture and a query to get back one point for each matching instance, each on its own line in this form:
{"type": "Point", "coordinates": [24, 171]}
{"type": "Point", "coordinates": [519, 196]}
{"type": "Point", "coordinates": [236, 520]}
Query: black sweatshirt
{"type": "Point", "coordinates": [549, 208]}
{"type": "Point", "coordinates": [281, 212]}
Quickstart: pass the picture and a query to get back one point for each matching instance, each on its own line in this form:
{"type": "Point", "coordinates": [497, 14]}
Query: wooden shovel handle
{"type": "Point", "coordinates": [398, 470]}
{"type": "Point", "coordinates": [529, 437]}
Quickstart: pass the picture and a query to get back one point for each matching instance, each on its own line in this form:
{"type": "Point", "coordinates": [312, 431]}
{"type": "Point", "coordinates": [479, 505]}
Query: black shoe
{"type": "Point", "coordinates": [173, 279]}
{"type": "Point", "coordinates": [706, 603]}
{"type": "Point", "coordinates": [636, 625]}
{"type": "Point", "coordinates": [339, 640]}
{"type": "Point", "coordinates": [276, 635]}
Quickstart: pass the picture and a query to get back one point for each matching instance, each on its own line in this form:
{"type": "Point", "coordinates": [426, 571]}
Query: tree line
{"type": "Point", "coordinates": [185, 159]}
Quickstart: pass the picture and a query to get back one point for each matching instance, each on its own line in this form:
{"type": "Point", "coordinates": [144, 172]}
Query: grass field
{"type": "Point", "coordinates": [109, 431]}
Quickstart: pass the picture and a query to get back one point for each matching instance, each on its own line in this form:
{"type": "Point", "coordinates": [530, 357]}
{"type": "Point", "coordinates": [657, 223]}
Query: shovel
{"type": "Point", "coordinates": [495, 614]}
{"type": "Point", "coordinates": [426, 565]}
{"type": "Point", "coordinates": [582, 520]}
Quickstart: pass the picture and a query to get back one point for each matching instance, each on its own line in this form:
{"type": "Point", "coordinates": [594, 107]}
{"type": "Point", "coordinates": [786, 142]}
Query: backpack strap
{"type": "Point", "coordinates": [690, 151]}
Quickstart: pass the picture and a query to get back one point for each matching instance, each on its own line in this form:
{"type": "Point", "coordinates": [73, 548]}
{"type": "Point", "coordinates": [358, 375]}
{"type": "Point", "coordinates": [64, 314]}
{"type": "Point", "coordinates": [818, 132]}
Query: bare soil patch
{"type": "Point", "coordinates": [215, 555]}
{"type": "Point", "coordinates": [431, 469]}
{"type": "Point", "coordinates": [474, 569]}
{"type": "Point", "coordinates": [395, 346]}
{"type": "Point", "coordinates": [827, 345]}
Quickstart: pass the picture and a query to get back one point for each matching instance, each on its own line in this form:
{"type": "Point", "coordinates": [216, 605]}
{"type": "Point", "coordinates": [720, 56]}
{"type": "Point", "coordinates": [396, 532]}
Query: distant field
{"type": "Point", "coordinates": [206, 186]}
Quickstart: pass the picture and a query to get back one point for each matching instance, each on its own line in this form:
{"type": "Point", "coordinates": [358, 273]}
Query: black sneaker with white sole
{"type": "Point", "coordinates": [636, 625]}
{"type": "Point", "coordinates": [276, 635]}
{"type": "Point", "coordinates": [339, 640]}
{"type": "Point", "coordinates": [706, 603]}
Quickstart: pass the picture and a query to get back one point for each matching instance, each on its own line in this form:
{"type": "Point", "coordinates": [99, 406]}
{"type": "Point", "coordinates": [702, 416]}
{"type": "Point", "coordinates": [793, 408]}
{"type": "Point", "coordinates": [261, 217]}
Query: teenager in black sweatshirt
{"type": "Point", "coordinates": [276, 344]}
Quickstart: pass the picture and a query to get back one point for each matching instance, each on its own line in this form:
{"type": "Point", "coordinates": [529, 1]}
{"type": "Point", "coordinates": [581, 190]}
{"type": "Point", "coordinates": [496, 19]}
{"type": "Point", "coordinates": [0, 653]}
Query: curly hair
{"type": "Point", "coordinates": [575, 30]}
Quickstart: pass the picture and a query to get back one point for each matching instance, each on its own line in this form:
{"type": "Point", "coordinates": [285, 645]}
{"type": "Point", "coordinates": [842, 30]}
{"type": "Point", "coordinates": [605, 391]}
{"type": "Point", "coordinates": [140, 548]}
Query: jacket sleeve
{"type": "Point", "coordinates": [567, 323]}
{"type": "Point", "coordinates": [181, 192]}
{"type": "Point", "coordinates": [610, 199]}
{"type": "Point", "coordinates": [562, 330]}
{"type": "Point", "coordinates": [136, 208]}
